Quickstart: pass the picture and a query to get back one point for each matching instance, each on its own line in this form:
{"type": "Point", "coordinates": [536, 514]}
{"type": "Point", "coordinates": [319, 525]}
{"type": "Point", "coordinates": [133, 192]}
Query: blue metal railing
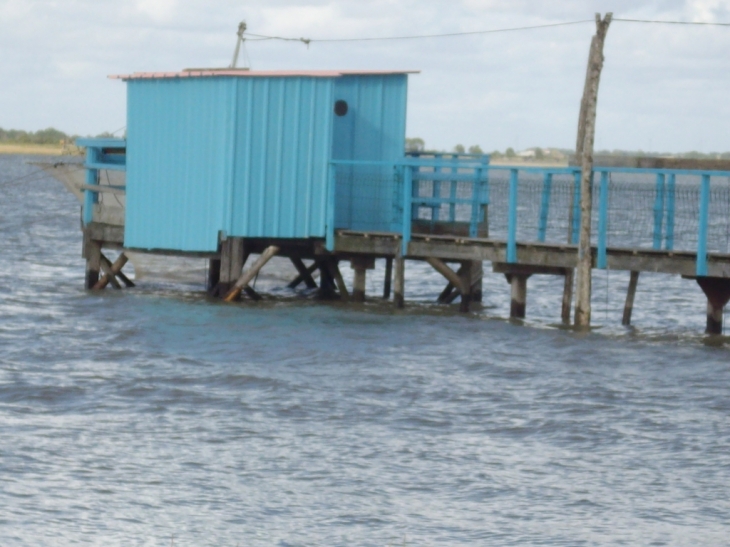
{"type": "Point", "coordinates": [99, 157]}
{"type": "Point", "coordinates": [627, 208]}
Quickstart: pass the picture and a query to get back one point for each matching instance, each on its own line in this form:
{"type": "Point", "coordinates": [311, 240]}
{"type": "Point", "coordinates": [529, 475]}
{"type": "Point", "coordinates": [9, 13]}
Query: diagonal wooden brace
{"type": "Point", "coordinates": [249, 274]}
{"type": "Point", "coordinates": [111, 271]}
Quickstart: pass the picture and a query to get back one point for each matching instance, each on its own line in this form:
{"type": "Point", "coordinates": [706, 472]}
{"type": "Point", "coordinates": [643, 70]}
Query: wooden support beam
{"type": "Point", "coordinates": [249, 274]}
{"type": "Point", "coordinates": [327, 283]}
{"type": "Point", "coordinates": [232, 260]}
{"type": "Point", "coordinates": [466, 280]}
{"type": "Point", "coordinates": [337, 275]}
{"type": "Point", "coordinates": [214, 274]}
{"type": "Point", "coordinates": [567, 296]}
{"type": "Point", "coordinates": [630, 293]}
{"type": "Point", "coordinates": [590, 100]}
{"type": "Point", "coordinates": [92, 254]}
{"type": "Point", "coordinates": [358, 284]}
{"type": "Point", "coordinates": [518, 302]}
{"type": "Point", "coordinates": [399, 281]}
{"type": "Point", "coordinates": [111, 271]}
{"type": "Point", "coordinates": [388, 277]}
{"type": "Point", "coordinates": [717, 290]}
{"type": "Point", "coordinates": [457, 280]}
{"type": "Point", "coordinates": [477, 277]}
{"type": "Point", "coordinates": [305, 274]}
{"type": "Point", "coordinates": [446, 293]}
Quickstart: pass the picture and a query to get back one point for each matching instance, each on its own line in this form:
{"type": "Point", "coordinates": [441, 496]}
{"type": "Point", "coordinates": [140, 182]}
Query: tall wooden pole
{"type": "Point", "coordinates": [588, 130]}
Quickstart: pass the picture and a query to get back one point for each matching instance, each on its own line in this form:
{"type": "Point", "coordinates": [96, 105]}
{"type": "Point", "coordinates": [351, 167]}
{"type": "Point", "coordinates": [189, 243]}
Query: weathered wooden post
{"type": "Point", "coordinates": [590, 96]}
{"type": "Point", "coordinates": [360, 265]}
{"type": "Point", "coordinates": [92, 254]}
{"type": "Point", "coordinates": [518, 301]}
{"type": "Point", "coordinates": [388, 277]}
{"type": "Point", "coordinates": [717, 290]}
{"type": "Point", "coordinates": [399, 281]}
{"type": "Point", "coordinates": [630, 293]}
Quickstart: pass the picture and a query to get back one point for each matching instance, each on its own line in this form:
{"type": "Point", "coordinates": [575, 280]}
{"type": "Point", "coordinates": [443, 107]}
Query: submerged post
{"type": "Point", "coordinates": [717, 291]}
{"type": "Point", "coordinates": [590, 98]}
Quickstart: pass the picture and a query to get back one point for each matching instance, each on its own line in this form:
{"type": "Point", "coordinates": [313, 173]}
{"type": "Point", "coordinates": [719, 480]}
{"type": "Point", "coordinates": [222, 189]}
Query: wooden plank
{"type": "Point", "coordinates": [248, 275]}
{"type": "Point", "coordinates": [111, 233]}
{"type": "Point", "coordinates": [101, 188]}
{"type": "Point", "coordinates": [526, 269]}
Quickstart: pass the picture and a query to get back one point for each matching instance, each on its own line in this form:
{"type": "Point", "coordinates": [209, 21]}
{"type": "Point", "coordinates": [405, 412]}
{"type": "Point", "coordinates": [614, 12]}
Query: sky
{"type": "Point", "coordinates": [664, 88]}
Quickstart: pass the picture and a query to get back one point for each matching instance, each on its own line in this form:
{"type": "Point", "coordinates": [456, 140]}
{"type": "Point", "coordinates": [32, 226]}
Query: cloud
{"type": "Point", "coordinates": [661, 84]}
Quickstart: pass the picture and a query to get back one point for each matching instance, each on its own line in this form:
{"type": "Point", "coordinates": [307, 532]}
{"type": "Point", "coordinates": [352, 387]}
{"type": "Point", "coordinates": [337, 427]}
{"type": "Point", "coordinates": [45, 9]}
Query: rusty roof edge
{"type": "Point", "coordinates": [206, 73]}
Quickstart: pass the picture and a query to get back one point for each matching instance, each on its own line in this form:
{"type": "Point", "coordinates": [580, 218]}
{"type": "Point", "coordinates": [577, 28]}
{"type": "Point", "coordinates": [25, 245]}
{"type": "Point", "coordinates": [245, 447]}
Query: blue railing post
{"type": "Point", "coordinates": [436, 209]}
{"type": "Point", "coordinates": [330, 234]}
{"type": "Point", "coordinates": [701, 268]}
{"type": "Point", "coordinates": [407, 208]}
{"type": "Point", "coordinates": [476, 201]}
{"type": "Point", "coordinates": [602, 261]}
{"type": "Point", "coordinates": [452, 191]}
{"type": "Point", "coordinates": [92, 179]}
{"type": "Point", "coordinates": [658, 210]}
{"type": "Point", "coordinates": [512, 219]}
{"type": "Point", "coordinates": [671, 181]}
{"type": "Point", "coordinates": [544, 206]}
{"type": "Point", "coordinates": [576, 208]}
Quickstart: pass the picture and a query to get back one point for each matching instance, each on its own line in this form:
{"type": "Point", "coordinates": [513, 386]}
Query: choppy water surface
{"type": "Point", "coordinates": [156, 416]}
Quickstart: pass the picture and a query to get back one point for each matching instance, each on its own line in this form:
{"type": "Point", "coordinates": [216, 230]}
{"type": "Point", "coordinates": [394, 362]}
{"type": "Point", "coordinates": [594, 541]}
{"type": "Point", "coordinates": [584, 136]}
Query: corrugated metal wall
{"type": "Point", "coordinates": [178, 162]}
{"type": "Point", "coordinates": [249, 156]}
{"type": "Point", "coordinates": [282, 149]}
{"type": "Point", "coordinates": [373, 129]}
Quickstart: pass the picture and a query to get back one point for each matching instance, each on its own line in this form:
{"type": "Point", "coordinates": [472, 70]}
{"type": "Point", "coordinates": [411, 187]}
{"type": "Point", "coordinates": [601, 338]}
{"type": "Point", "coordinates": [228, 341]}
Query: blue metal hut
{"type": "Point", "coordinates": [237, 153]}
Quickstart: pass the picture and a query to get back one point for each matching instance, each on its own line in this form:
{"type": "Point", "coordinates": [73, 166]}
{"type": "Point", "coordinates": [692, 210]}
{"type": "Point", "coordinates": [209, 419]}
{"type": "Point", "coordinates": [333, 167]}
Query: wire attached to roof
{"type": "Point", "coordinates": [307, 41]}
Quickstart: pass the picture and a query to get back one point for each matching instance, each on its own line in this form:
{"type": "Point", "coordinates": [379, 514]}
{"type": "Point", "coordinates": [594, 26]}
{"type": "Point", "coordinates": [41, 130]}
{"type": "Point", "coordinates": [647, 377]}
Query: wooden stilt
{"type": "Point", "coordinates": [477, 276]}
{"type": "Point", "coordinates": [232, 259]}
{"type": "Point", "coordinates": [305, 274]}
{"type": "Point", "coordinates": [717, 290]}
{"type": "Point", "coordinates": [337, 276]}
{"type": "Point", "coordinates": [630, 293]}
{"type": "Point", "coordinates": [456, 279]}
{"type": "Point", "coordinates": [327, 283]}
{"type": "Point", "coordinates": [248, 275]}
{"type": "Point", "coordinates": [388, 277]}
{"type": "Point", "coordinates": [358, 284]}
{"type": "Point", "coordinates": [399, 281]}
{"type": "Point", "coordinates": [111, 271]}
{"type": "Point", "coordinates": [446, 293]}
{"type": "Point", "coordinates": [518, 303]}
{"type": "Point", "coordinates": [92, 253]}
{"type": "Point", "coordinates": [214, 274]}
{"type": "Point", "coordinates": [466, 279]}
{"type": "Point", "coordinates": [567, 296]}
{"type": "Point", "coordinates": [590, 98]}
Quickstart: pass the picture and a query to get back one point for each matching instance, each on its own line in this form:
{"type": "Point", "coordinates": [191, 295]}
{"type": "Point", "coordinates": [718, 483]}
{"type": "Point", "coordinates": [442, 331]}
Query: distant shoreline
{"type": "Point", "coordinates": [37, 149]}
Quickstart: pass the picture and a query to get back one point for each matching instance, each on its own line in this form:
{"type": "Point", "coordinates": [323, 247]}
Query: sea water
{"type": "Point", "coordinates": [157, 416]}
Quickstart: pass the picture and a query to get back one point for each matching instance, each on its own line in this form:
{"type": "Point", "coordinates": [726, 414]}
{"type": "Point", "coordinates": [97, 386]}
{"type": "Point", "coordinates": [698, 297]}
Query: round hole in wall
{"type": "Point", "coordinates": [340, 107]}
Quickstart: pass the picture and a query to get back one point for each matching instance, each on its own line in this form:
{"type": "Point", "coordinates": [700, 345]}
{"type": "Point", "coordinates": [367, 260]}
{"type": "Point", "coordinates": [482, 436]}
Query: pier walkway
{"type": "Point", "coordinates": [459, 210]}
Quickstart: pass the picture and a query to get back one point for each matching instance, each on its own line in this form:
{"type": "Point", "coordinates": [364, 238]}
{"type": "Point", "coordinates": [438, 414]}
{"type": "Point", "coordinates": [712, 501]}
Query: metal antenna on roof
{"type": "Point", "coordinates": [241, 41]}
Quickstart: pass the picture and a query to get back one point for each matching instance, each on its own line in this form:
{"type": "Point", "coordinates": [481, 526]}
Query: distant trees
{"type": "Point", "coordinates": [475, 149]}
{"type": "Point", "coordinates": [44, 136]}
{"type": "Point", "coordinates": [510, 153]}
{"type": "Point", "coordinates": [415, 144]}
{"type": "Point", "coordinates": [459, 149]}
